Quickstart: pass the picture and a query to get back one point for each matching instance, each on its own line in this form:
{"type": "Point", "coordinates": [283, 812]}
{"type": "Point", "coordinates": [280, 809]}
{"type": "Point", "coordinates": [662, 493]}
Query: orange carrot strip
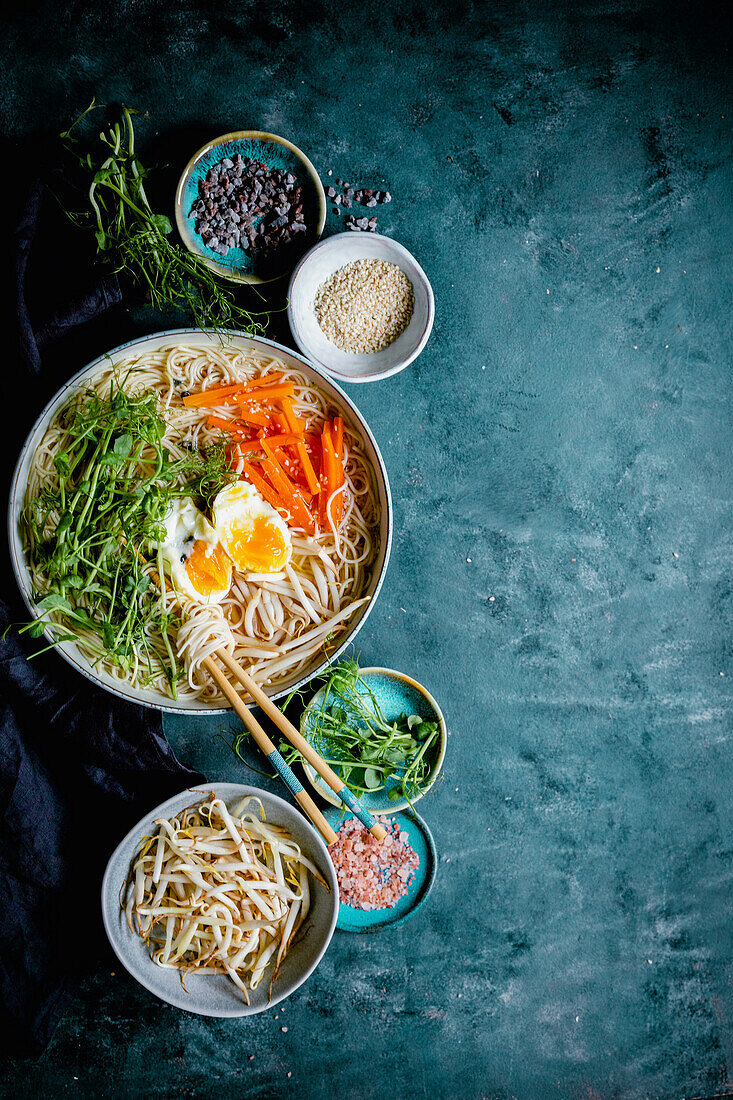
{"type": "Point", "coordinates": [295, 423]}
{"type": "Point", "coordinates": [266, 393]}
{"type": "Point", "coordinates": [252, 417]}
{"type": "Point", "coordinates": [334, 473]}
{"type": "Point", "coordinates": [339, 438]}
{"type": "Point", "coordinates": [323, 481]}
{"type": "Point", "coordinates": [296, 504]}
{"type": "Point", "coordinates": [305, 462]}
{"type": "Point", "coordinates": [231, 426]}
{"type": "Point", "coordinates": [211, 397]}
{"type": "Point", "coordinates": [259, 483]}
{"type": "Point", "coordinates": [265, 380]}
{"type": "Point", "coordinates": [279, 420]}
{"type": "Point", "coordinates": [279, 440]}
{"type": "Point", "coordinates": [289, 492]}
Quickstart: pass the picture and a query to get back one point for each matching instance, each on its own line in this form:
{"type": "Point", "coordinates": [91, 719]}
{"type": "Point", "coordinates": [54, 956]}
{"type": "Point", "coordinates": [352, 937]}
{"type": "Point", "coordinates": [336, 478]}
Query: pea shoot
{"type": "Point", "coordinates": [87, 533]}
{"type": "Point", "coordinates": [370, 753]}
{"type": "Point", "coordinates": [138, 242]}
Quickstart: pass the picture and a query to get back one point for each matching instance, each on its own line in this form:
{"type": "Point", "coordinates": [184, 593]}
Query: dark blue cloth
{"type": "Point", "coordinates": [77, 766]}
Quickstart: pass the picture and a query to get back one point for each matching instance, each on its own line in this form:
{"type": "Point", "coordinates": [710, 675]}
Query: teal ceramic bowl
{"type": "Point", "coordinates": [275, 152]}
{"type": "Point", "coordinates": [421, 841]}
{"type": "Point", "coordinates": [396, 693]}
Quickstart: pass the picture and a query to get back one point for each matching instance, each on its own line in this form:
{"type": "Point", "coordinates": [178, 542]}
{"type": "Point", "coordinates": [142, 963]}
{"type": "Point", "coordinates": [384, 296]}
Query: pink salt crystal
{"type": "Point", "coordinates": [372, 874]}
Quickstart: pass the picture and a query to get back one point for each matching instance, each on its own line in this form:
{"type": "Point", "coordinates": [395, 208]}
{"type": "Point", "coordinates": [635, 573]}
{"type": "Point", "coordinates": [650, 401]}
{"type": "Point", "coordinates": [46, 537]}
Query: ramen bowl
{"type": "Point", "coordinates": [151, 697]}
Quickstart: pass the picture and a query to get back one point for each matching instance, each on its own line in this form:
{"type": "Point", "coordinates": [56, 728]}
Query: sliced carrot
{"type": "Point", "coordinates": [234, 427]}
{"type": "Point", "coordinates": [211, 397]}
{"type": "Point", "coordinates": [289, 492]}
{"type": "Point", "coordinates": [296, 504]}
{"type": "Point", "coordinates": [259, 483]}
{"type": "Point", "coordinates": [305, 462]}
{"type": "Point", "coordinates": [338, 438]}
{"type": "Point", "coordinates": [250, 446]}
{"type": "Point", "coordinates": [323, 480]}
{"type": "Point", "coordinates": [334, 475]}
{"type": "Point", "coordinates": [280, 440]}
{"type": "Point", "coordinates": [265, 380]}
{"type": "Point", "coordinates": [295, 423]}
{"type": "Point", "coordinates": [297, 426]}
{"type": "Point", "coordinates": [261, 419]}
{"type": "Point", "coordinates": [267, 393]}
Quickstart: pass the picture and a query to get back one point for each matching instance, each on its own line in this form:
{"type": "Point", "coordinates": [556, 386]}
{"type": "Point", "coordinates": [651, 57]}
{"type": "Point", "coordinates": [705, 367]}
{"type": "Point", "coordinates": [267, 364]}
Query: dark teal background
{"type": "Point", "coordinates": [561, 469]}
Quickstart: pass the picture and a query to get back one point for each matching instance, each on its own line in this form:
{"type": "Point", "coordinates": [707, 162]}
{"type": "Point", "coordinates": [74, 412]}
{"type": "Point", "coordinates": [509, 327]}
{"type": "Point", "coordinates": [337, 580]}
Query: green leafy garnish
{"type": "Point", "coordinates": [138, 241]}
{"type": "Point", "coordinates": [369, 752]}
{"type": "Point", "coordinates": [88, 533]}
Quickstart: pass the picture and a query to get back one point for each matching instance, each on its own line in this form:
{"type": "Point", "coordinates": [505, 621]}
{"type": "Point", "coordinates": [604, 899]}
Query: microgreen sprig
{"type": "Point", "coordinates": [371, 753]}
{"type": "Point", "coordinates": [137, 240]}
{"type": "Point", "coordinates": [88, 533]}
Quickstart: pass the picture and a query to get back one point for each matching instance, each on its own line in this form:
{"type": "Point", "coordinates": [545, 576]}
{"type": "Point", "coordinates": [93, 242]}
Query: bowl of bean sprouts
{"type": "Point", "coordinates": [221, 901]}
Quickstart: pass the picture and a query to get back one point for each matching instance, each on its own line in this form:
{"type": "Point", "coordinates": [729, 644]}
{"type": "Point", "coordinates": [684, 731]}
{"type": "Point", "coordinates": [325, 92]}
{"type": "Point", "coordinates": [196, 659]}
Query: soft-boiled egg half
{"type": "Point", "coordinates": [197, 564]}
{"type": "Point", "coordinates": [254, 536]}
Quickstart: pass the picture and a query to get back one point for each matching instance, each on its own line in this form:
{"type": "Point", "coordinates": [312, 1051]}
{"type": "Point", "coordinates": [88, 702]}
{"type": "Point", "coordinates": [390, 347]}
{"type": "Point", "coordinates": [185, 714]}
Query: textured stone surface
{"type": "Point", "coordinates": [560, 463]}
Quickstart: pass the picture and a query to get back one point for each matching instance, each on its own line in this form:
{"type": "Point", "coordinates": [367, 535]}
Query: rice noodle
{"type": "Point", "coordinates": [275, 625]}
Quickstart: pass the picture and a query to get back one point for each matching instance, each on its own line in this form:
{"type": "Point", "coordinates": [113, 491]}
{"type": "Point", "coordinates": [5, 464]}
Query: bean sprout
{"type": "Point", "coordinates": [219, 892]}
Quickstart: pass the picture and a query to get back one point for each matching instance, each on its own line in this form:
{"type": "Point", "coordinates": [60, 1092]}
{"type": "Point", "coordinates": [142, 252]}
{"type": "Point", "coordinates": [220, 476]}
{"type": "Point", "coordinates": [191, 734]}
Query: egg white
{"type": "Point", "coordinates": [184, 526]}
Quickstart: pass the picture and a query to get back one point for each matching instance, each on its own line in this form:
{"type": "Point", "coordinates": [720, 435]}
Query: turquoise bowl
{"type": "Point", "coordinates": [421, 841]}
{"type": "Point", "coordinates": [396, 693]}
{"type": "Point", "coordinates": [275, 152]}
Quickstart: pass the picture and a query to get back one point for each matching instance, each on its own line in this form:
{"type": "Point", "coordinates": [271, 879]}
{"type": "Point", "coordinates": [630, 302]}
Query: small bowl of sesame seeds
{"type": "Point", "coordinates": [360, 306]}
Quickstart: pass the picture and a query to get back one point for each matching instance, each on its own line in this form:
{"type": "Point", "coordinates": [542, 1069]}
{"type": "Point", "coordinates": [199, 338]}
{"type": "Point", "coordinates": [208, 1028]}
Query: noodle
{"type": "Point", "coordinates": [274, 624]}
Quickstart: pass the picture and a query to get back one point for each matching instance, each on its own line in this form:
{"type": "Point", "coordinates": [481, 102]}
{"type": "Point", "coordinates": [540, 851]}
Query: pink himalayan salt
{"type": "Point", "coordinates": [372, 874]}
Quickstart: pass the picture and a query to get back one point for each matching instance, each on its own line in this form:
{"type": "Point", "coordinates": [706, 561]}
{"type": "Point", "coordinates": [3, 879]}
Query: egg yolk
{"type": "Point", "coordinates": [208, 572]}
{"type": "Point", "coordinates": [256, 545]}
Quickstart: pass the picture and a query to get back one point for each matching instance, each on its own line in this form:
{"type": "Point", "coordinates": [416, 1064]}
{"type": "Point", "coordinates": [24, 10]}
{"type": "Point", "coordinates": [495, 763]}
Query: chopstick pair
{"type": "Point", "coordinates": [296, 739]}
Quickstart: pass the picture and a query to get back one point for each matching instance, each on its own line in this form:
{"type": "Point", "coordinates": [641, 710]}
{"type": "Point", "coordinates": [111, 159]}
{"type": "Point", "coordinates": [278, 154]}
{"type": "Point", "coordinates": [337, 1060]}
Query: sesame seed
{"type": "Point", "coordinates": [365, 305]}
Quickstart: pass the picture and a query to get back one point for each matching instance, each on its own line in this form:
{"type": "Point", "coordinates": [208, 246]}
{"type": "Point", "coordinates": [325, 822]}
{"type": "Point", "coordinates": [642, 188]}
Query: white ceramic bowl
{"type": "Point", "coordinates": [317, 266]}
{"type": "Point", "coordinates": [197, 338]}
{"type": "Point", "coordinates": [215, 994]}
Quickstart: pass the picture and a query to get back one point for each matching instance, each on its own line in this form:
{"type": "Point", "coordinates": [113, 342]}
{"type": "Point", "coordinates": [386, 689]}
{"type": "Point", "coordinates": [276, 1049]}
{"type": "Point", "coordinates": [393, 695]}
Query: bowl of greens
{"type": "Point", "coordinates": [380, 730]}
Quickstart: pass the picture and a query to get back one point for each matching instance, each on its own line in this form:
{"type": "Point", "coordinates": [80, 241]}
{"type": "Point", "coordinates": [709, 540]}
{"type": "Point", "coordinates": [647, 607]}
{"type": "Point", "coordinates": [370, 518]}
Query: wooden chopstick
{"type": "Point", "coordinates": [265, 744]}
{"type": "Point", "coordinates": [299, 742]}
{"type": "Point", "coordinates": [294, 737]}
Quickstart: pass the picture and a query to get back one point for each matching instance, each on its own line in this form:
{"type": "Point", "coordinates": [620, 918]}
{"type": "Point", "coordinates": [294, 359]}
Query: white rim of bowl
{"type": "Point", "coordinates": [331, 371]}
{"type": "Point", "coordinates": [244, 135]}
{"type": "Point", "coordinates": [16, 549]}
{"type": "Point", "coordinates": [241, 791]}
{"type": "Point", "coordinates": [394, 807]}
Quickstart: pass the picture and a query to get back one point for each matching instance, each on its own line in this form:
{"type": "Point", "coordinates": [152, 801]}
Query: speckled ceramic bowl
{"type": "Point", "coordinates": [317, 266]}
{"type": "Point", "coordinates": [275, 152]}
{"type": "Point", "coordinates": [214, 994]}
{"type": "Point", "coordinates": [396, 693]}
{"type": "Point", "coordinates": [421, 841]}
